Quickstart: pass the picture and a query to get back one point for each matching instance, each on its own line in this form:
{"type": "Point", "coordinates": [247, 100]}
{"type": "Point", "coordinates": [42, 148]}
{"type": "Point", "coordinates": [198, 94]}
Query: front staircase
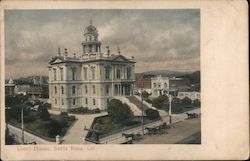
{"type": "Point", "coordinates": [137, 102]}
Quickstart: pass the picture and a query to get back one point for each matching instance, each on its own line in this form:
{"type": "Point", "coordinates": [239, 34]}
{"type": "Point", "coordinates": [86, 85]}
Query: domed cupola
{"type": "Point", "coordinates": [91, 45]}
{"type": "Point", "coordinates": [90, 30]}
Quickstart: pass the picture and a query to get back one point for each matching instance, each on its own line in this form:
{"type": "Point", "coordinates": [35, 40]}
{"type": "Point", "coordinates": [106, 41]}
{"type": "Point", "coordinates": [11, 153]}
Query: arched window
{"type": "Point", "coordinates": [55, 101]}
{"type": "Point", "coordinates": [94, 102]}
{"type": "Point", "coordinates": [55, 90]}
{"type": "Point", "coordinates": [62, 90]}
{"type": "Point", "coordinates": [62, 102]}
{"type": "Point", "coordinates": [73, 90]}
{"type": "Point", "coordinates": [165, 85]}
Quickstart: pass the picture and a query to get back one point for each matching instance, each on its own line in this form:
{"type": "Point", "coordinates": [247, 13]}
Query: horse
{"type": "Point", "coordinates": [151, 130]}
{"type": "Point", "coordinates": [128, 135]}
{"type": "Point", "coordinates": [192, 115]}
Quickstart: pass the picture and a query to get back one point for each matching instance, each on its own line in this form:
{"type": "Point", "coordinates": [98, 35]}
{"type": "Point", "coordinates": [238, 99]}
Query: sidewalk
{"type": "Point", "coordinates": [76, 132]}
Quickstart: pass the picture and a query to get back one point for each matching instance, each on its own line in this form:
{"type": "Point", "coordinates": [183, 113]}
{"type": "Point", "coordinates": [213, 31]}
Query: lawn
{"type": "Point", "coordinates": [41, 127]}
{"type": "Point", "coordinates": [105, 126]}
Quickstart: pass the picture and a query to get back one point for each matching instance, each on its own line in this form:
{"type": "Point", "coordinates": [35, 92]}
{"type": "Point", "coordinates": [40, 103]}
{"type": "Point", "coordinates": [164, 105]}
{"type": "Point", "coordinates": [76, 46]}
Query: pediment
{"type": "Point", "coordinates": [120, 58]}
{"type": "Point", "coordinates": [56, 60]}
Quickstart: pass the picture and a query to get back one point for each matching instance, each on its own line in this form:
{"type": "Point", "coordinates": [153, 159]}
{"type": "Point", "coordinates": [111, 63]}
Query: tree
{"type": "Point", "coordinates": [186, 101]}
{"type": "Point", "coordinates": [44, 114]}
{"type": "Point", "coordinates": [119, 112]}
{"type": "Point", "coordinates": [152, 114]}
{"type": "Point", "coordinates": [160, 101]}
{"type": "Point", "coordinates": [54, 128]}
{"type": "Point", "coordinates": [145, 95]}
{"type": "Point", "coordinates": [196, 103]}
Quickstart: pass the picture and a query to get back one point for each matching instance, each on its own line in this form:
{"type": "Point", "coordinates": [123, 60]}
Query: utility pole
{"type": "Point", "coordinates": [22, 126]}
{"type": "Point", "coordinates": [142, 121]}
{"type": "Point", "coordinates": [170, 108]}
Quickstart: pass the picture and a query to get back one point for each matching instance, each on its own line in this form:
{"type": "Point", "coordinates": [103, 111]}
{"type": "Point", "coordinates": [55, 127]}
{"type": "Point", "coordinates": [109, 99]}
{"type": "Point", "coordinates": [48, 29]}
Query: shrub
{"type": "Point", "coordinates": [196, 103]}
{"type": "Point", "coordinates": [96, 110]}
{"type": "Point", "coordinates": [29, 118]}
{"type": "Point", "coordinates": [54, 128]}
{"type": "Point", "coordinates": [44, 114]}
{"type": "Point", "coordinates": [160, 101]}
{"type": "Point", "coordinates": [64, 114]}
{"type": "Point", "coordinates": [186, 101]}
{"type": "Point", "coordinates": [118, 112]}
{"type": "Point", "coordinates": [152, 114]}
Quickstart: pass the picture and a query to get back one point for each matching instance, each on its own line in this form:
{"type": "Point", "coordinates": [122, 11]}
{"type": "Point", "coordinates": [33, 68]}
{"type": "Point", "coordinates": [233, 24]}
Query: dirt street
{"type": "Point", "coordinates": [185, 131]}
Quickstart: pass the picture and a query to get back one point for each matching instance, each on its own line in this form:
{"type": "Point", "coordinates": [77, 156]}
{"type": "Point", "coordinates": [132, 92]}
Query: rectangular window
{"type": "Point", "coordinates": [62, 89]}
{"type": "Point", "coordinates": [107, 72]}
{"type": "Point", "coordinates": [54, 71]}
{"type": "Point", "coordinates": [94, 102]}
{"type": "Point", "coordinates": [93, 89]}
{"type": "Point", "coordinates": [107, 89]}
{"type": "Point", "coordinates": [55, 90]}
{"type": "Point", "coordinates": [93, 73]}
{"type": "Point", "coordinates": [55, 101]}
{"type": "Point", "coordinates": [118, 73]}
{"type": "Point", "coordinates": [73, 90]}
{"type": "Point", "coordinates": [61, 73]}
{"type": "Point", "coordinates": [74, 101]}
{"type": "Point", "coordinates": [86, 101]}
{"type": "Point", "coordinates": [128, 72]}
{"type": "Point", "coordinates": [154, 85]}
{"type": "Point", "coordinates": [62, 102]}
{"type": "Point", "coordinates": [73, 73]}
{"type": "Point", "coordinates": [86, 89]}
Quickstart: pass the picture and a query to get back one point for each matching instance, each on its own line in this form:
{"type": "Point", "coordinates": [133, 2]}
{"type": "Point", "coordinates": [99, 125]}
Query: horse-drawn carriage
{"type": "Point", "coordinates": [192, 115]}
{"type": "Point", "coordinates": [161, 129]}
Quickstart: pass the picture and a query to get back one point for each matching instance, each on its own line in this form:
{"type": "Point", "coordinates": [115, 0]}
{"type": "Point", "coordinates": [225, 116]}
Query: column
{"type": "Point", "coordinates": [124, 92]}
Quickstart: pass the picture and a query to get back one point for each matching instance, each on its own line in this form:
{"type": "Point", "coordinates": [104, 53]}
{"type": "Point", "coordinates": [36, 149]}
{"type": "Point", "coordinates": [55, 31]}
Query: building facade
{"type": "Point", "coordinates": [166, 85]}
{"type": "Point", "coordinates": [10, 88]}
{"type": "Point", "coordinates": [192, 95]}
{"type": "Point", "coordinates": [89, 80]}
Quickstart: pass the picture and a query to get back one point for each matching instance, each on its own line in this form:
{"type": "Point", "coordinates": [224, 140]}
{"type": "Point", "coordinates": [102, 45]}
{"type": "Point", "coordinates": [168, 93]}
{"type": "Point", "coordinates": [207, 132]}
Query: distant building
{"type": "Point", "coordinates": [41, 91]}
{"type": "Point", "coordinates": [22, 89]}
{"type": "Point", "coordinates": [192, 95]}
{"type": "Point", "coordinates": [143, 82]}
{"type": "Point", "coordinates": [10, 88]}
{"type": "Point", "coordinates": [166, 85]}
{"type": "Point", "coordinates": [90, 80]}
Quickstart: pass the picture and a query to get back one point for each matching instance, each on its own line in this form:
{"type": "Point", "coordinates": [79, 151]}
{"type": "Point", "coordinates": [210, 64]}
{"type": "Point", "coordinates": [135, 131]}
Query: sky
{"type": "Point", "coordinates": [167, 39]}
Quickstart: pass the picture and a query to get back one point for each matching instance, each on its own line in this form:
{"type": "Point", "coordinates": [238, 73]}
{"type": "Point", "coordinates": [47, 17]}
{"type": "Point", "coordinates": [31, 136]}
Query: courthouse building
{"type": "Point", "coordinates": [89, 80]}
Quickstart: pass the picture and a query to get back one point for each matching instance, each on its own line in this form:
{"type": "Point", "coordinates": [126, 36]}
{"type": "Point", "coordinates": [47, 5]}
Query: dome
{"type": "Point", "coordinates": [90, 29]}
